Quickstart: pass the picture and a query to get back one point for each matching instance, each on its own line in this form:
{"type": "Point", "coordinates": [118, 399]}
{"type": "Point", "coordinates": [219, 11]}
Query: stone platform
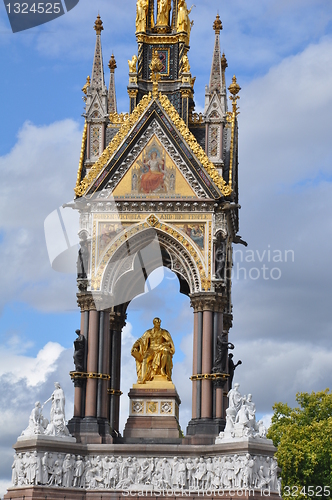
{"type": "Point", "coordinates": [153, 414]}
{"type": "Point", "coordinates": [242, 468]}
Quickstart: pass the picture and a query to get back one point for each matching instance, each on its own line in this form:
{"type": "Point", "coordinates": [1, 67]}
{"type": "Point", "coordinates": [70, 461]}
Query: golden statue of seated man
{"type": "Point", "coordinates": [153, 353]}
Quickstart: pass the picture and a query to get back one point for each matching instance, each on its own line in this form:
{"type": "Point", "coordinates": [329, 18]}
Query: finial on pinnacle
{"type": "Point", "coordinates": [155, 67]}
{"type": "Point", "coordinates": [112, 64]}
{"type": "Point", "coordinates": [224, 64]}
{"type": "Point", "coordinates": [98, 25]}
{"type": "Point", "coordinates": [217, 25]}
{"type": "Point", "coordinates": [234, 88]}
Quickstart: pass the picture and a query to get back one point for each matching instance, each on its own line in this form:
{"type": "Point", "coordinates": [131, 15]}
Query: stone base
{"type": "Point", "coordinates": [204, 430]}
{"type": "Point", "coordinates": [96, 483]}
{"type": "Point", "coordinates": [90, 430]}
{"type": "Point", "coordinates": [41, 493]}
{"type": "Point", "coordinates": [153, 415]}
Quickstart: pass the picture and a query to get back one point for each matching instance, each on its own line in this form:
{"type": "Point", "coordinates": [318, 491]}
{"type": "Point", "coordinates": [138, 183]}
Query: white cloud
{"type": "Point", "coordinates": [38, 176]}
{"type": "Point", "coordinates": [34, 370]}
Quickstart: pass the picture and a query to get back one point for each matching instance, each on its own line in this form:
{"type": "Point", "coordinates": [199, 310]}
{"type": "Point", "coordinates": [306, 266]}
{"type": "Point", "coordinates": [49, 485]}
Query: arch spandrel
{"type": "Point", "coordinates": [186, 258]}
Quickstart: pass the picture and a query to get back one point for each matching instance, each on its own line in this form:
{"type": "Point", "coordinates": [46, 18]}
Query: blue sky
{"type": "Point", "coordinates": [281, 53]}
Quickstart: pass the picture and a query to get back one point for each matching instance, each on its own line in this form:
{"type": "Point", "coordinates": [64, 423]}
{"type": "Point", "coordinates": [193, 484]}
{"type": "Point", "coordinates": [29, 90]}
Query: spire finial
{"type": "Point", "coordinates": [224, 64]}
{"type": "Point", "coordinates": [155, 67]}
{"type": "Point", "coordinates": [234, 89]}
{"type": "Point", "coordinates": [217, 25]}
{"type": "Point", "coordinates": [112, 64]}
{"type": "Point", "coordinates": [98, 27]}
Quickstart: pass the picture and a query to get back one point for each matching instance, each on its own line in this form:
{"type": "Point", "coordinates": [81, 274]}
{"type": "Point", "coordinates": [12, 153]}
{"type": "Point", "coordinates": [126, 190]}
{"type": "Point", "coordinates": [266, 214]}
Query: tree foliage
{"type": "Point", "coordinates": [303, 436]}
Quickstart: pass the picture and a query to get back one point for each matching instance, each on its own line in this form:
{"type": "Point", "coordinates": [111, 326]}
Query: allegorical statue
{"type": "Point", "coordinates": [132, 64]}
{"type": "Point", "coordinates": [153, 353]}
{"type": "Point", "coordinates": [183, 21]}
{"type": "Point", "coordinates": [142, 7]}
{"type": "Point", "coordinates": [164, 7]}
{"type": "Point", "coordinates": [222, 347]}
{"type": "Point", "coordinates": [79, 353]}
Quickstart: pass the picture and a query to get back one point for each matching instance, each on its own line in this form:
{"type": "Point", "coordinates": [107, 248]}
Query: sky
{"type": "Point", "coordinates": [281, 53]}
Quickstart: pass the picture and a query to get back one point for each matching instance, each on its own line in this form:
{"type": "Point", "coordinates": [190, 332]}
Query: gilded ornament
{"type": "Point", "coordinates": [80, 165]}
{"type": "Point", "coordinates": [86, 85]}
{"type": "Point", "coordinates": [217, 25]}
{"type": "Point", "coordinates": [132, 64]}
{"type": "Point", "coordinates": [142, 8]}
{"type": "Point", "coordinates": [183, 22]}
{"type": "Point", "coordinates": [185, 64]}
{"type": "Point", "coordinates": [112, 64]}
{"type": "Point", "coordinates": [163, 10]}
{"type": "Point", "coordinates": [98, 27]}
{"type": "Point", "coordinates": [155, 67]}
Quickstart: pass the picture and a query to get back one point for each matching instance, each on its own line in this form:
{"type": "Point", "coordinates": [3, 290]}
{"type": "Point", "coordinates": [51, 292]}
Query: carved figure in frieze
{"type": "Point", "coordinates": [67, 469]}
{"type": "Point", "coordinates": [78, 472]}
{"type": "Point", "coordinates": [200, 473]}
{"type": "Point", "coordinates": [113, 474]}
{"type": "Point", "coordinates": [167, 473]}
{"type": "Point", "coordinates": [17, 468]}
{"type": "Point", "coordinates": [79, 353]}
{"type": "Point", "coordinates": [182, 474]}
{"type": "Point", "coordinates": [56, 474]}
{"type": "Point", "coordinates": [209, 476]}
{"type": "Point", "coordinates": [190, 472]}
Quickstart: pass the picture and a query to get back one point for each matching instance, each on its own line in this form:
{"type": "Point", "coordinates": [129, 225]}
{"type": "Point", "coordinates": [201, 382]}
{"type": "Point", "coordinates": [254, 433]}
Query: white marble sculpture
{"type": "Point", "coordinates": [37, 423]}
{"type": "Point", "coordinates": [56, 427]}
{"type": "Point", "coordinates": [241, 418]}
{"type": "Point", "coordinates": [155, 473]}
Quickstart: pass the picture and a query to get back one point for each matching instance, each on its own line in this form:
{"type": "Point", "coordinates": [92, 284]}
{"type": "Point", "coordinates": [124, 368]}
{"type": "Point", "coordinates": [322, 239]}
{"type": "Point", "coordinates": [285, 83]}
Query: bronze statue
{"type": "Point", "coordinates": [221, 353]}
{"type": "Point", "coordinates": [141, 14]}
{"type": "Point", "coordinates": [79, 353]}
{"type": "Point", "coordinates": [153, 353]}
{"type": "Point", "coordinates": [164, 7]}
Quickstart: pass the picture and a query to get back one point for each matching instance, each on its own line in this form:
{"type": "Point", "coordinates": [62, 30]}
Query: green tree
{"type": "Point", "coordinates": [303, 436]}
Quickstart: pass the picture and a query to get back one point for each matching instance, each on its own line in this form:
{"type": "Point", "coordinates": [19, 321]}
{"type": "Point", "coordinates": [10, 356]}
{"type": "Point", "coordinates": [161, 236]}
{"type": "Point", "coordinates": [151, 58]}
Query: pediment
{"type": "Point", "coordinates": [215, 109]}
{"type": "Point", "coordinates": [153, 138]}
{"type": "Point", "coordinates": [154, 173]}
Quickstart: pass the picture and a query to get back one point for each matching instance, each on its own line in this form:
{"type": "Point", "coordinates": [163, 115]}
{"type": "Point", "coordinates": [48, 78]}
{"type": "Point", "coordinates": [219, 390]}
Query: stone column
{"type": "Point", "coordinates": [106, 364]}
{"type": "Point", "coordinates": [101, 348]}
{"type": "Point", "coordinates": [92, 365]}
{"type": "Point", "coordinates": [117, 321]}
{"type": "Point", "coordinates": [207, 395]}
{"type": "Point", "coordinates": [207, 359]}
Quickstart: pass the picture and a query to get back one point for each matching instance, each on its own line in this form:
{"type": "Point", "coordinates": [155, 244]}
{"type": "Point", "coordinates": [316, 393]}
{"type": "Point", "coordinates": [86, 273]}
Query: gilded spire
{"type": "Point", "coordinates": [216, 68]}
{"type": "Point", "coordinates": [234, 89]}
{"type": "Point", "coordinates": [98, 25]}
{"type": "Point", "coordinates": [155, 67]}
{"type": "Point", "coordinates": [97, 77]}
{"type": "Point", "coordinates": [112, 107]}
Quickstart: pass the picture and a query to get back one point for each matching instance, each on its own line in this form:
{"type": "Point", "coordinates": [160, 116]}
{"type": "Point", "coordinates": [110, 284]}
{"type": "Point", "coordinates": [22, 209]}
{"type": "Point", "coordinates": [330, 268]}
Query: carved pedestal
{"type": "Point", "coordinates": [153, 414]}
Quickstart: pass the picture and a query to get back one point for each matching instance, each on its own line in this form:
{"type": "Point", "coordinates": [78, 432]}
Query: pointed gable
{"type": "Point", "coordinates": [154, 117]}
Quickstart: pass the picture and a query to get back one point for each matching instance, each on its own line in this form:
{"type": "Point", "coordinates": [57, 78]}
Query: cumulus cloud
{"type": "Point", "coordinates": [37, 177]}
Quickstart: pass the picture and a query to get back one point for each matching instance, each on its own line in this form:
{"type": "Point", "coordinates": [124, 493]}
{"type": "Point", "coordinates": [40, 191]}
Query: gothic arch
{"type": "Point", "coordinates": [147, 249]}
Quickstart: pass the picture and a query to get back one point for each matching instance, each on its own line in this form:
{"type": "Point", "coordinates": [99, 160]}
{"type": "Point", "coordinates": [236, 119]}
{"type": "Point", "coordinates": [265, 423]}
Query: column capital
{"type": "Point", "coordinates": [86, 302]}
{"type": "Point", "coordinates": [207, 301]}
{"type": "Point", "coordinates": [117, 320]}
